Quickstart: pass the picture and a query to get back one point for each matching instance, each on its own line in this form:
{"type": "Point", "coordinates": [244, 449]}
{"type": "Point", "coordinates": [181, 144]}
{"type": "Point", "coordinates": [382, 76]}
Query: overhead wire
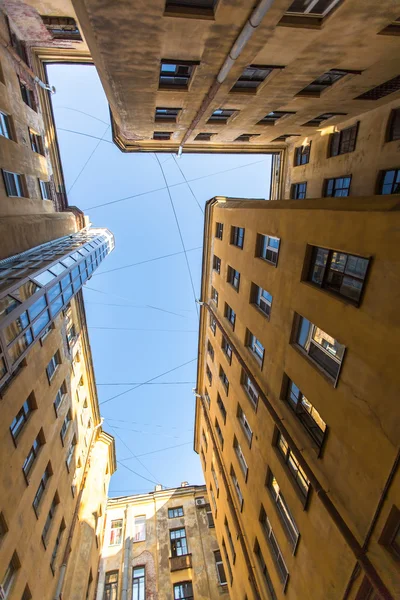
{"type": "Point", "coordinates": [82, 112]}
{"type": "Point", "coordinates": [152, 383]}
{"type": "Point", "coordinates": [142, 262]}
{"type": "Point", "coordinates": [188, 184]}
{"type": "Point", "coordinates": [138, 474]}
{"type": "Point", "coordinates": [148, 381]}
{"type": "Point", "coordinates": [88, 160]}
{"type": "Point", "coordinates": [146, 433]}
{"type": "Point", "coordinates": [132, 453]}
{"type": "Point", "coordinates": [173, 185]}
{"type": "Point", "coordinates": [139, 329]}
{"type": "Point", "coordinates": [146, 424]}
{"type": "Point", "coordinates": [132, 305]}
{"type": "Point", "coordinates": [94, 137]}
{"type": "Point", "coordinates": [180, 235]}
{"type": "Point", "coordinates": [160, 450]}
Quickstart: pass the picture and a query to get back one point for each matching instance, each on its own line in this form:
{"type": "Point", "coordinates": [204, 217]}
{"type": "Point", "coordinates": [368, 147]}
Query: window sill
{"type": "Point", "coordinates": [255, 357]}
{"type": "Point", "coordinates": [303, 499]}
{"type": "Point", "coordinates": [331, 380]}
{"type": "Point", "coordinates": [269, 262]}
{"type": "Point", "coordinates": [259, 310]}
{"type": "Point", "coordinates": [254, 405]}
{"type": "Point", "coordinates": [343, 299]}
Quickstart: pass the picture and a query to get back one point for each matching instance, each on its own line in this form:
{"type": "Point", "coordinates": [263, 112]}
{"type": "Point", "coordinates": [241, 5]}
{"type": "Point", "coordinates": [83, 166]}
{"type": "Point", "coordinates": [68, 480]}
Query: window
{"type": "Point", "coordinates": [246, 137]}
{"type": "Point", "coordinates": [28, 96]}
{"type": "Point", "coordinates": [293, 466]}
{"type": "Point", "coordinates": [217, 264]}
{"type": "Point", "coordinates": [317, 121]}
{"type": "Point", "coordinates": [3, 526]}
{"type": "Point", "coordinates": [203, 137]}
{"type": "Point", "coordinates": [70, 453]}
{"type": "Point", "coordinates": [57, 545]}
{"type": "Point", "coordinates": [230, 540]}
{"type": "Point", "coordinates": [241, 458]}
{"type": "Point", "coordinates": [343, 141]}
{"type": "Point", "coordinates": [210, 518]}
{"type": "Point", "coordinates": [227, 561]}
{"type": "Point", "coordinates": [65, 425]}
{"type": "Point", "coordinates": [45, 190]}
{"type": "Point", "coordinates": [36, 142]}
{"type": "Point", "coordinates": [210, 350]}
{"type": "Point", "coordinates": [320, 347]}
{"type": "Point", "coordinates": [237, 237]}
{"type": "Point", "coordinates": [183, 591]}
{"type": "Point", "coordinates": [306, 413]}
{"type": "Point", "coordinates": [219, 433]}
{"type": "Point", "coordinates": [175, 512]}
{"type": "Point", "coordinates": [221, 115]}
{"type": "Point", "coordinates": [27, 594]}
{"type": "Point", "coordinates": [50, 518]}
{"type": "Point", "coordinates": [337, 187]}
{"type": "Point", "coordinates": [233, 278]}
{"type": "Point", "coordinates": [394, 124]}
{"type": "Point", "coordinates": [215, 478]}
{"type": "Point", "coordinates": [162, 135]}
{"type": "Point", "coordinates": [224, 380]}
{"type": "Point", "coordinates": [268, 248]}
{"type": "Point", "coordinates": [111, 586]}
{"type": "Point", "coordinates": [312, 7]}
{"type": "Point", "coordinates": [227, 349]}
{"type": "Point", "coordinates": [10, 575]}
{"type": "Point", "coordinates": [298, 190]}
{"type": "Point", "coordinates": [32, 454]}
{"type": "Point", "coordinates": [176, 74]}
{"type": "Point", "coordinates": [61, 394]}
{"type": "Point", "coordinates": [213, 324]}
{"type": "Point", "coordinates": [209, 374]}
{"type": "Point", "coordinates": [274, 547]}
{"type": "Point", "coordinates": [390, 537]}
{"type": "Point", "coordinates": [42, 486]}
{"type": "Point", "coordinates": [62, 28]}
{"type": "Point", "coordinates": [89, 585]}
{"type": "Point", "coordinates": [22, 416]}
{"type": "Point", "coordinates": [244, 424]}
{"type": "Point", "coordinates": [214, 502]}
{"type": "Point", "coordinates": [274, 116]}
{"type": "Point", "coordinates": [178, 542]}
{"type": "Point", "coordinates": [255, 346]}
{"type": "Point", "coordinates": [138, 583]}
{"type": "Point", "coordinates": [205, 442]}
{"type": "Point", "coordinates": [168, 115]}
{"type": "Point", "coordinates": [5, 126]}
{"type": "Point", "coordinates": [262, 299]}
{"type": "Point", "coordinates": [267, 578]}
{"type": "Point", "coordinates": [302, 155]}
{"type": "Point", "coordinates": [284, 136]}
{"type": "Point", "coordinates": [139, 534]}
{"type": "Point", "coordinates": [14, 184]}
{"type": "Point", "coordinates": [71, 335]}
{"type": "Point", "coordinates": [323, 82]}
{"type": "Point", "coordinates": [230, 315]}
{"type": "Point", "coordinates": [116, 532]}
{"type": "Point", "coordinates": [214, 295]}
{"type": "Point", "coordinates": [219, 230]}
{"type": "Point", "coordinates": [392, 29]}
{"type": "Point", "coordinates": [380, 91]}
{"type": "Point", "coordinates": [221, 407]}
{"type": "Point", "coordinates": [197, 8]}
{"type": "Point", "coordinates": [219, 565]}
{"type": "Point", "coordinates": [52, 366]}
{"type": "Point", "coordinates": [237, 488]}
{"type": "Point", "coordinates": [251, 78]}
{"type": "Point", "coordinates": [207, 397]}
{"type": "Point", "coordinates": [338, 272]}
{"type": "Point", "coordinates": [250, 389]}
{"type": "Point", "coordinates": [289, 525]}
{"type": "Point", "coordinates": [389, 182]}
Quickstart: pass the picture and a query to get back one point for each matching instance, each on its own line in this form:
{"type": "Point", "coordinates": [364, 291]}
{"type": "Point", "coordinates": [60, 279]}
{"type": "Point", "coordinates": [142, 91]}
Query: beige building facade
{"type": "Point", "coordinates": [159, 546]}
{"type": "Point", "coordinates": [296, 412]}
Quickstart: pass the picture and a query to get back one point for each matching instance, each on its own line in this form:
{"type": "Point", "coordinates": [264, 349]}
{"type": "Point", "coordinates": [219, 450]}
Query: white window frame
{"type": "Point", "coordinates": [139, 528]}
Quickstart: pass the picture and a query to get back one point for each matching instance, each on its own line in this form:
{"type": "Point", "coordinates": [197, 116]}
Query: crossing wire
{"type": "Point", "coordinates": [173, 185]}
{"type": "Point", "coordinates": [131, 452]}
{"type": "Point", "coordinates": [87, 162]}
{"type": "Point", "coordinates": [138, 329]}
{"type": "Point", "coordinates": [148, 381]}
{"type": "Point", "coordinates": [153, 383]}
{"type": "Point", "coordinates": [188, 184]}
{"type": "Point", "coordinates": [160, 450]}
{"type": "Point", "coordinates": [180, 235]}
{"type": "Point", "coordinates": [138, 474]}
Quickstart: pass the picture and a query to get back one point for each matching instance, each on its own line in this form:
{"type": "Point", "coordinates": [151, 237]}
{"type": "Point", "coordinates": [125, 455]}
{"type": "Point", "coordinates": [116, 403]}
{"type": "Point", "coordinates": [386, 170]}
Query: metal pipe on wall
{"type": "Point", "coordinates": [244, 36]}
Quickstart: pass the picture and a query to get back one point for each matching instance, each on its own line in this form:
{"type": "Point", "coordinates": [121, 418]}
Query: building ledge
{"type": "Point", "coordinates": [177, 563]}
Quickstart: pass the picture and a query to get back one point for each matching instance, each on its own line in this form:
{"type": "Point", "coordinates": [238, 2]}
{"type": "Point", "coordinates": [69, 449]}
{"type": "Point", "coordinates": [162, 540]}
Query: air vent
{"type": "Point", "coordinates": [389, 87]}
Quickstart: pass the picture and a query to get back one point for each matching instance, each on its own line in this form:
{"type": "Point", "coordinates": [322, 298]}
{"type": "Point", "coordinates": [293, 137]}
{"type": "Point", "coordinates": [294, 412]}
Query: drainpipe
{"type": "Point", "coordinates": [67, 551]}
{"type": "Point", "coordinates": [251, 25]}
{"type": "Point", "coordinates": [14, 55]}
{"type": "Point", "coordinates": [127, 547]}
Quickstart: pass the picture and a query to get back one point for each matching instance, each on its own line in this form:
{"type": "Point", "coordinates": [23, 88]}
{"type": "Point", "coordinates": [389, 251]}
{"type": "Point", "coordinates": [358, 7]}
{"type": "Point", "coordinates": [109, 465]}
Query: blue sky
{"type": "Point", "coordinates": [132, 340]}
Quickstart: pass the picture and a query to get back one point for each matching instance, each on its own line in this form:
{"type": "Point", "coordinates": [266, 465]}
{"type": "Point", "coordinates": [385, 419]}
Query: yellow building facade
{"type": "Point", "coordinates": [296, 413]}
{"type": "Point", "coordinates": [161, 545]}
